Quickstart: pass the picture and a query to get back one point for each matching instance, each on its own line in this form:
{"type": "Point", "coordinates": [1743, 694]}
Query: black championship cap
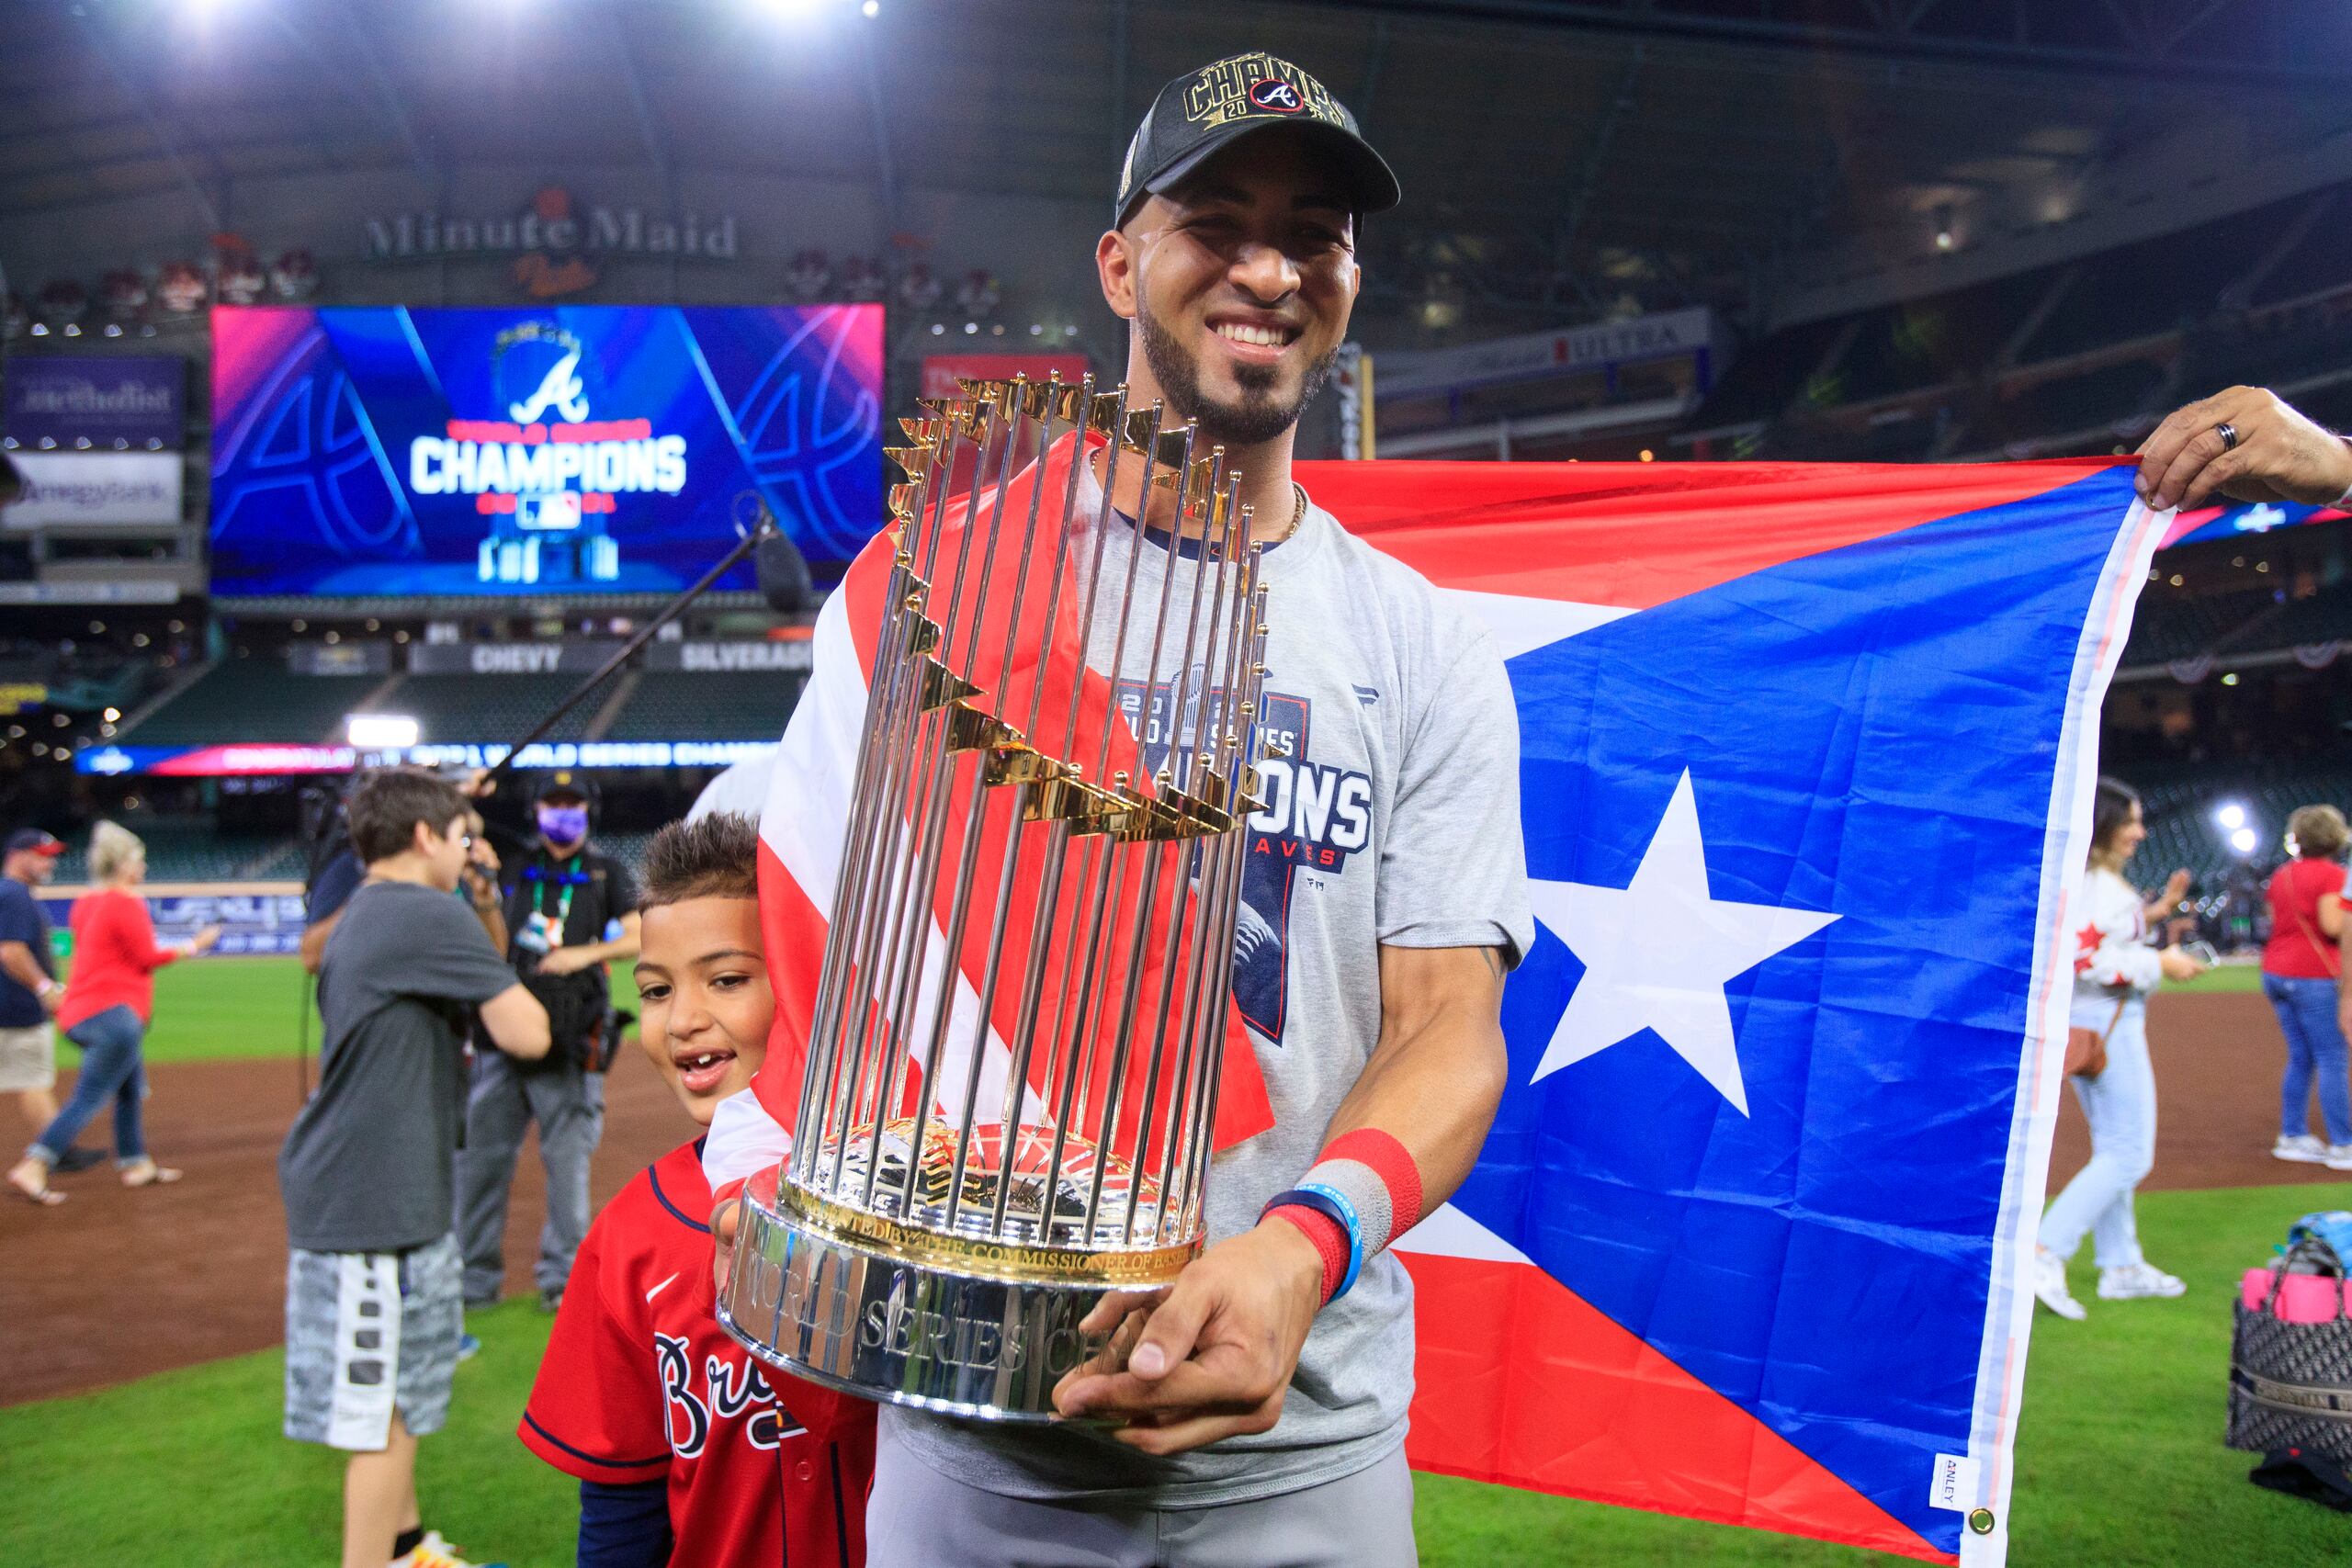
{"type": "Point", "coordinates": [1209, 109]}
{"type": "Point", "coordinates": [568, 786]}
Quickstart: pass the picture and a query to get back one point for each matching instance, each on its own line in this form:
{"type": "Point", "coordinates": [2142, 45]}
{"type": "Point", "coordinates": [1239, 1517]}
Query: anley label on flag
{"type": "Point", "coordinates": [1806, 757]}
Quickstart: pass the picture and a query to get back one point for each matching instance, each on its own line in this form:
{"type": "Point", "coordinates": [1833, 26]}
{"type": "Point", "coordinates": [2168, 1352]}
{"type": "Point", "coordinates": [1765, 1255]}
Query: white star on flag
{"type": "Point", "coordinates": [1657, 953]}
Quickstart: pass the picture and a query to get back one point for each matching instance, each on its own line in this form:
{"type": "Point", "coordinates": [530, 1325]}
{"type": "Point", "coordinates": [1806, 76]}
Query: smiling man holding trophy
{"type": "Point", "coordinates": [1165, 934]}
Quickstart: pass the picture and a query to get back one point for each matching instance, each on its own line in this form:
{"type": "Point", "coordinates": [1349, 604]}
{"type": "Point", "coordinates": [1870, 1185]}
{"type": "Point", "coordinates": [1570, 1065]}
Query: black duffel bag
{"type": "Point", "coordinates": [579, 1017]}
{"type": "Point", "coordinates": [2290, 1377]}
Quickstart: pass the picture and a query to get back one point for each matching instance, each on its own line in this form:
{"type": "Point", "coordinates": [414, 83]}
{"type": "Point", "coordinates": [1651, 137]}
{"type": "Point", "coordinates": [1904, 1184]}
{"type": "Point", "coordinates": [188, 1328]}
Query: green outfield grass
{"type": "Point", "coordinates": [213, 1008]}
{"type": "Point", "coordinates": [2120, 1462]}
{"type": "Point", "coordinates": [210, 1009]}
{"type": "Point", "coordinates": [2223, 978]}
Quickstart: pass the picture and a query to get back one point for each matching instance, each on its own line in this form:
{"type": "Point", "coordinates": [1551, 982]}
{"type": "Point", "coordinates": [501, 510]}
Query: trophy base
{"type": "Point", "coordinates": [850, 1316]}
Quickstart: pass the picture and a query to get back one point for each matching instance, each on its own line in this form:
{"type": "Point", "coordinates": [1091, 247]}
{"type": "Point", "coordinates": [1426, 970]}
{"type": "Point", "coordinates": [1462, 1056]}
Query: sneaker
{"type": "Point", "coordinates": [2338, 1157]}
{"type": "Point", "coordinates": [2138, 1280]}
{"type": "Point", "coordinates": [468, 1347]}
{"type": "Point", "coordinates": [551, 1298]}
{"type": "Point", "coordinates": [435, 1552]}
{"type": "Point", "coordinates": [2302, 1148]}
{"type": "Point", "coordinates": [2050, 1286]}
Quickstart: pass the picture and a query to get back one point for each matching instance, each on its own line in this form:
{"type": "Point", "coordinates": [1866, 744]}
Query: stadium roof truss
{"type": "Point", "coordinates": [1560, 157]}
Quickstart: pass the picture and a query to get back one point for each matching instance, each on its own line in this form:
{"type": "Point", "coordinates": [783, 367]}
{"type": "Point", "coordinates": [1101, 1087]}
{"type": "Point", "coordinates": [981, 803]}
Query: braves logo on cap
{"type": "Point", "coordinates": [1276, 97]}
{"type": "Point", "coordinates": [1256, 84]}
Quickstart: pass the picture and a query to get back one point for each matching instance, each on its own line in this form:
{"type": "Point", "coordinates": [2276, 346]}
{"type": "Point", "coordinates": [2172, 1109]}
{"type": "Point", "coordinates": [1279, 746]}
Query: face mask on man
{"type": "Point", "coordinates": [563, 825]}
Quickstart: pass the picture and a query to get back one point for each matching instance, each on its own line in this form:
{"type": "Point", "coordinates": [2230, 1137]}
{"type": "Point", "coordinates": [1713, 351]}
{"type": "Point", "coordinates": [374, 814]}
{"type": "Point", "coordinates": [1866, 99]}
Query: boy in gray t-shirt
{"type": "Point", "coordinates": [373, 1303]}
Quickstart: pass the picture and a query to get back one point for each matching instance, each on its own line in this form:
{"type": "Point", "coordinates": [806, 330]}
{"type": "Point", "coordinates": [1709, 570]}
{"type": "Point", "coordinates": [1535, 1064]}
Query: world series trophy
{"type": "Point", "coordinates": [1009, 1093]}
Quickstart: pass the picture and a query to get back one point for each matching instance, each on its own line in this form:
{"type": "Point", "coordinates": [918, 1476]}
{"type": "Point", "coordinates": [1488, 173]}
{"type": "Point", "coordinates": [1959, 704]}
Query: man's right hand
{"type": "Point", "coordinates": [2278, 455]}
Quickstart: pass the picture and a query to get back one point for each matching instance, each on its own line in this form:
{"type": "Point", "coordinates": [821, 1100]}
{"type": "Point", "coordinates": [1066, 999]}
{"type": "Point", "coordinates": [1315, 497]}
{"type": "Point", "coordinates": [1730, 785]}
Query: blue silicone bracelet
{"type": "Point", "coordinates": [1329, 1200]}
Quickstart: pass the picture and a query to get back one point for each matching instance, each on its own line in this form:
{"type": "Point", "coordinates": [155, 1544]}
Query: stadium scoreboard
{"type": "Point", "coordinates": [576, 450]}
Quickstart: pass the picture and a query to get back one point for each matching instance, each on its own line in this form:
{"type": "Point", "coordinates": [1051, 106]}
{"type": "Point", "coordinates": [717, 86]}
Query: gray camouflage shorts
{"type": "Point", "coordinates": [367, 1332]}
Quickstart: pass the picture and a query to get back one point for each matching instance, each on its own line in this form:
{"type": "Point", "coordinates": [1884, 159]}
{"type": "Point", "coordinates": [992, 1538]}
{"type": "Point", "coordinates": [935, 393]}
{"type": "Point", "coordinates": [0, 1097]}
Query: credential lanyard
{"type": "Point", "coordinates": [562, 902]}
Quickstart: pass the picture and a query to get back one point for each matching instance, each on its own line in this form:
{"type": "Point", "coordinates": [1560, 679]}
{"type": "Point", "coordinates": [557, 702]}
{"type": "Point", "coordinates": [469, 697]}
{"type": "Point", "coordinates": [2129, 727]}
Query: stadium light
{"type": "Point", "coordinates": [2242, 840]}
{"type": "Point", "coordinates": [2231, 816]}
{"type": "Point", "coordinates": [380, 731]}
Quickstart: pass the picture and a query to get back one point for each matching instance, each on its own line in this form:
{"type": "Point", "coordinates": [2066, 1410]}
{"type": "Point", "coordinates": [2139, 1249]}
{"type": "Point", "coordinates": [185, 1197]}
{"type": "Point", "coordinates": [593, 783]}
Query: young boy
{"type": "Point", "coordinates": [373, 1304]}
{"type": "Point", "coordinates": [686, 1452]}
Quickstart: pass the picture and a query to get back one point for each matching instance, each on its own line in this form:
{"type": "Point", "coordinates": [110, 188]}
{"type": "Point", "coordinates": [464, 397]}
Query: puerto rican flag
{"type": "Point", "coordinates": [1807, 762]}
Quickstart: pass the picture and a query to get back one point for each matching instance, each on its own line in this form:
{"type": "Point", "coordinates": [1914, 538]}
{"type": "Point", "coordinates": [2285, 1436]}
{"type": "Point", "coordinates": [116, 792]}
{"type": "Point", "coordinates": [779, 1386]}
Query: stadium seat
{"type": "Point", "coordinates": [253, 701]}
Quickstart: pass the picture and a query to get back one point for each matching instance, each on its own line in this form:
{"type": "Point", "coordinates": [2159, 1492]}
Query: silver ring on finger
{"type": "Point", "coordinates": [2229, 434]}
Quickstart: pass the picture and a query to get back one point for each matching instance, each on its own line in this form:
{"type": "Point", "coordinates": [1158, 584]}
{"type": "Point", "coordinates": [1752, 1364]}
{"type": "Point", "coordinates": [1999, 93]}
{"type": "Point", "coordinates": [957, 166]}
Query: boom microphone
{"type": "Point", "coordinates": [756, 538]}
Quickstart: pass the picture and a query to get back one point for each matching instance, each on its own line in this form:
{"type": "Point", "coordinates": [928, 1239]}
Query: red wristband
{"type": "Point", "coordinates": [1331, 1241]}
{"type": "Point", "coordinates": [1392, 1162]}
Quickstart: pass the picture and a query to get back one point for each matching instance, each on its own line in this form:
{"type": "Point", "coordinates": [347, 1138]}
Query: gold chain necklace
{"type": "Point", "coordinates": [1297, 515]}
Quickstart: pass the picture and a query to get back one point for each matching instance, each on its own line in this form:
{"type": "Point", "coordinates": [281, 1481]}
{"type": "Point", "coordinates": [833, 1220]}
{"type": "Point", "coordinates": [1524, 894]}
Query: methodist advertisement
{"type": "Point", "coordinates": [586, 449]}
{"type": "Point", "coordinates": [116, 403]}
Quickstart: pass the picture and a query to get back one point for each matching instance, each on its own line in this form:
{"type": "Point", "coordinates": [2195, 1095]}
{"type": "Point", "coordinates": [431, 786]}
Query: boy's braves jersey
{"type": "Point", "coordinates": [640, 1382]}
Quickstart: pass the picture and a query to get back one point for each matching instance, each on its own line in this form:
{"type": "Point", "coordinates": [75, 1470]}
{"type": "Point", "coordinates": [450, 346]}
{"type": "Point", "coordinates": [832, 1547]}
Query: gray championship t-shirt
{"type": "Point", "coordinates": [367, 1166]}
{"type": "Point", "coordinates": [1392, 816]}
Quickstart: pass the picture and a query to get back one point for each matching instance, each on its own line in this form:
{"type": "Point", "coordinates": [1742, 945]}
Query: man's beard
{"type": "Point", "coordinates": [1258, 417]}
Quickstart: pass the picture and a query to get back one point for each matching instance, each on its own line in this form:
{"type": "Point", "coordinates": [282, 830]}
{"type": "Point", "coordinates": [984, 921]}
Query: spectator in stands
{"type": "Point", "coordinates": [2300, 967]}
{"type": "Point", "coordinates": [108, 1002]}
{"type": "Point", "coordinates": [2115, 970]}
{"type": "Point", "coordinates": [570, 911]}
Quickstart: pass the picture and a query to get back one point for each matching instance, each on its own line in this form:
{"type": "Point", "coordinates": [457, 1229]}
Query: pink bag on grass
{"type": "Point", "coordinates": [2302, 1298]}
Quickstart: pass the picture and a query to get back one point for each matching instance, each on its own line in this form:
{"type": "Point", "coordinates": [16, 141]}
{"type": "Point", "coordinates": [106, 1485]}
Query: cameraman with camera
{"type": "Point", "coordinates": [569, 913]}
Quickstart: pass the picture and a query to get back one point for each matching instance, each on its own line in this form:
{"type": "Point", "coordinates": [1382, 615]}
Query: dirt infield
{"type": "Point", "coordinates": [2218, 1057]}
{"type": "Point", "coordinates": [114, 1285]}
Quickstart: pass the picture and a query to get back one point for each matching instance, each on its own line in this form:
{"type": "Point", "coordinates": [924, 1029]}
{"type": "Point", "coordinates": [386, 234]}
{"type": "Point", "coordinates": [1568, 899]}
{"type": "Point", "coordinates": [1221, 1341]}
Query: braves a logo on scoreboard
{"type": "Point", "coordinates": [545, 475]}
{"type": "Point", "coordinates": [729, 1389]}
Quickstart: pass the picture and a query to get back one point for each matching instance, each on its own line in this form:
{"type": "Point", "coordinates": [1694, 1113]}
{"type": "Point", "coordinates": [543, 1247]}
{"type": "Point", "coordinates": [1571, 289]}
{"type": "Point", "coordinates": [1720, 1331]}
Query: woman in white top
{"type": "Point", "coordinates": [2115, 970]}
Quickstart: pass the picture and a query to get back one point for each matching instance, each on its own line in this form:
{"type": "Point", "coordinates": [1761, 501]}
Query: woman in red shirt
{"type": "Point", "coordinates": [2299, 974]}
{"type": "Point", "coordinates": [109, 998]}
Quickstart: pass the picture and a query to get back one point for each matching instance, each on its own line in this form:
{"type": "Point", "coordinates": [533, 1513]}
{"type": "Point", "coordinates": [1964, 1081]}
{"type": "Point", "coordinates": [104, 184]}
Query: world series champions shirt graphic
{"type": "Point", "coordinates": [1315, 817]}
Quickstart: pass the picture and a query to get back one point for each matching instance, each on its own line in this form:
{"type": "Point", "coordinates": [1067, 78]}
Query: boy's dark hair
{"type": "Point", "coordinates": [715, 857]}
{"type": "Point", "coordinates": [387, 804]}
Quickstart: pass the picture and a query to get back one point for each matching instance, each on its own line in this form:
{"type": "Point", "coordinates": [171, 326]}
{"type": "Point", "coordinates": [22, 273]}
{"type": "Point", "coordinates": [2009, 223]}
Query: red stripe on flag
{"type": "Point", "coordinates": [793, 932]}
{"type": "Point", "coordinates": [1464, 525]}
{"type": "Point", "coordinates": [1522, 1382]}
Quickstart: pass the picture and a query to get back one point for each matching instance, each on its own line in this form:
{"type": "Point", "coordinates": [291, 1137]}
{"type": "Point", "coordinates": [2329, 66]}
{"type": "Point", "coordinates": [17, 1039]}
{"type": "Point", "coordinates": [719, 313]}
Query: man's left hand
{"type": "Point", "coordinates": [566, 961]}
{"type": "Point", "coordinates": [2279, 455]}
{"type": "Point", "coordinates": [1211, 1355]}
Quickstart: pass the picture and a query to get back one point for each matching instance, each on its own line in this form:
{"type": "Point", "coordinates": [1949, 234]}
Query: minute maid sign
{"type": "Point", "coordinates": [556, 249]}
{"type": "Point", "coordinates": [550, 225]}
